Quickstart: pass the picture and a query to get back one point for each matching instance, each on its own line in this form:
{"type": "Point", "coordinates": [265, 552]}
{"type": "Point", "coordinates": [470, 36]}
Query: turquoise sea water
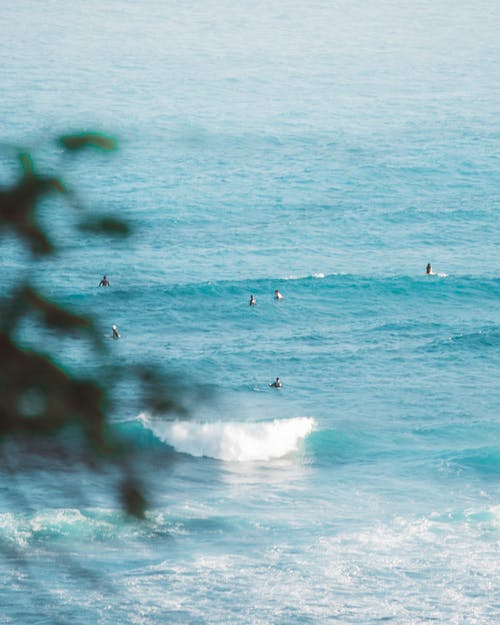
{"type": "Point", "coordinates": [329, 150]}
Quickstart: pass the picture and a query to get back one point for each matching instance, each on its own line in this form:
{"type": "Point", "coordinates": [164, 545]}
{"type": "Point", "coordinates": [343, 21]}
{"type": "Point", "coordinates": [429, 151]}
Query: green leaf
{"type": "Point", "coordinates": [106, 225]}
{"type": "Point", "coordinates": [88, 139]}
{"type": "Point", "coordinates": [133, 499]}
{"type": "Point", "coordinates": [57, 184]}
{"type": "Point", "coordinates": [27, 164]}
{"type": "Point", "coordinates": [52, 314]}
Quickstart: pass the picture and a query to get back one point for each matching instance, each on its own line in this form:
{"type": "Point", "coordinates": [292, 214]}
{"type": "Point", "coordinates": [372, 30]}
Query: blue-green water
{"type": "Point", "coordinates": [329, 150]}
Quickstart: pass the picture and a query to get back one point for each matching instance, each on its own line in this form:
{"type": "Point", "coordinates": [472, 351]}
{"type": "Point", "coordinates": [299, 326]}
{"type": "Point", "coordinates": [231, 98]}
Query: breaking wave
{"type": "Point", "coordinates": [233, 441]}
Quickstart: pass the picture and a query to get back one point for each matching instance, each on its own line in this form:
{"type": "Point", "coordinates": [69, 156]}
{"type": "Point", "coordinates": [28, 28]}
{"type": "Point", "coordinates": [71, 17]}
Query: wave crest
{"type": "Point", "coordinates": [233, 441]}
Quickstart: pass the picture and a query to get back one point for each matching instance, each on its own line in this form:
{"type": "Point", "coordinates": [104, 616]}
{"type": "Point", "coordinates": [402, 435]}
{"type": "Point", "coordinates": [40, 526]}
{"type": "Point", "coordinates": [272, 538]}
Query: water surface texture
{"type": "Point", "coordinates": [330, 150]}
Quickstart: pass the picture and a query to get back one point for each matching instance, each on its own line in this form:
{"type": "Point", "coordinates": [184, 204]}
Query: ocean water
{"type": "Point", "coordinates": [329, 150]}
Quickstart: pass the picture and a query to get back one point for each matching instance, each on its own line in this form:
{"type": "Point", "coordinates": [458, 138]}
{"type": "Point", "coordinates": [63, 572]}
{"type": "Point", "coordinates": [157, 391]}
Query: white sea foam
{"type": "Point", "coordinates": [233, 441]}
{"type": "Point", "coordinates": [317, 275]}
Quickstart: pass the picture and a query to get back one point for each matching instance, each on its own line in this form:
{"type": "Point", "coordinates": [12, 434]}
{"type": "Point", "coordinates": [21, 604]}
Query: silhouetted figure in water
{"type": "Point", "coordinates": [116, 334]}
{"type": "Point", "coordinates": [104, 281]}
{"type": "Point", "coordinates": [428, 270]}
{"type": "Point", "coordinates": [252, 301]}
{"type": "Point", "coordinates": [276, 383]}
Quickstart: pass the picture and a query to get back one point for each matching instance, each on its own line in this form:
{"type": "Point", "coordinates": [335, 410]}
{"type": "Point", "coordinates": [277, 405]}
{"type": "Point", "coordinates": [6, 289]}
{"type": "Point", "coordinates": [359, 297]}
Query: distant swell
{"type": "Point", "coordinates": [233, 441]}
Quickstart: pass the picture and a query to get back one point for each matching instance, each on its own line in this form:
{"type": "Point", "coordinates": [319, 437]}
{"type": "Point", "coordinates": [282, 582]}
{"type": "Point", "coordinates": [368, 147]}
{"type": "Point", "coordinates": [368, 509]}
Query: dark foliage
{"type": "Point", "coordinates": [38, 398]}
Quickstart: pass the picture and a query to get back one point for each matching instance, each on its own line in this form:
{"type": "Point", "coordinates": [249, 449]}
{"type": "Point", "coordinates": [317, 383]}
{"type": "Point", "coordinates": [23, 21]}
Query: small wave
{"type": "Point", "coordinates": [485, 461]}
{"type": "Point", "coordinates": [233, 441]}
{"type": "Point", "coordinates": [92, 525]}
{"type": "Point", "coordinates": [472, 341]}
{"type": "Point", "coordinates": [316, 275]}
{"type": "Point", "coordinates": [57, 524]}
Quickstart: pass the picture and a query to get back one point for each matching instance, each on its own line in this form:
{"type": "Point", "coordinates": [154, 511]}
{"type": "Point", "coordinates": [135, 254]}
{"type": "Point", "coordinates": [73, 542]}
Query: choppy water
{"type": "Point", "coordinates": [328, 150]}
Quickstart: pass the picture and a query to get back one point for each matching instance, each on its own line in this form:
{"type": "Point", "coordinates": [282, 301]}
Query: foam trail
{"type": "Point", "coordinates": [233, 441]}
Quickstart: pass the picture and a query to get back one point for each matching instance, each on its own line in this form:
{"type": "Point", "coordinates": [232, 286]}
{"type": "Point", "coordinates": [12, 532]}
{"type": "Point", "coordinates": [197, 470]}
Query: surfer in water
{"type": "Point", "coordinates": [252, 301]}
{"type": "Point", "coordinates": [104, 281]}
{"type": "Point", "coordinates": [276, 383]}
{"type": "Point", "coordinates": [428, 270]}
{"type": "Point", "coordinates": [116, 334]}
{"type": "Point", "coordinates": [277, 294]}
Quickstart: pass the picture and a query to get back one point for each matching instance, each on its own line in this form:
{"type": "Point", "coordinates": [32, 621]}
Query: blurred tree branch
{"type": "Point", "coordinates": [38, 398]}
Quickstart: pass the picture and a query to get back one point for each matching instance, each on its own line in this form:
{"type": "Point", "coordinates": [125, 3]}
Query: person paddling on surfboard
{"type": "Point", "coordinates": [276, 383]}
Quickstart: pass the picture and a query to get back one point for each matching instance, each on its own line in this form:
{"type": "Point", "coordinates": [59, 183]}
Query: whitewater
{"type": "Point", "coordinates": [327, 150]}
{"type": "Point", "coordinates": [233, 441]}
